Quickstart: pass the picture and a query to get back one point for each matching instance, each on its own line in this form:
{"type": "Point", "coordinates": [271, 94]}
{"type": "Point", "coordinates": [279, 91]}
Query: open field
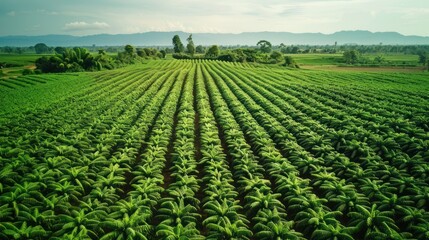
{"type": "Point", "coordinates": [16, 63]}
{"type": "Point", "coordinates": [217, 150]}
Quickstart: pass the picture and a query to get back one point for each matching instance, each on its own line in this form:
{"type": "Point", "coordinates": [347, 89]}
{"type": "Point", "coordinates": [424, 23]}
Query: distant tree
{"type": "Point", "coordinates": [264, 46]}
{"type": "Point", "coordinates": [41, 48]}
{"type": "Point", "coordinates": [177, 44]}
{"type": "Point", "coordinates": [59, 50]}
{"type": "Point", "coordinates": [163, 53]}
{"type": "Point", "coordinates": [190, 47]}
{"type": "Point", "coordinates": [379, 59]}
{"type": "Point", "coordinates": [199, 49]}
{"type": "Point", "coordinates": [294, 49]}
{"type": "Point", "coordinates": [7, 49]}
{"type": "Point", "coordinates": [422, 57]}
{"type": "Point", "coordinates": [276, 56]}
{"type": "Point", "coordinates": [129, 49]}
{"type": "Point", "coordinates": [19, 50]}
{"type": "Point", "coordinates": [351, 56]}
{"type": "Point", "coordinates": [141, 53]}
{"type": "Point", "coordinates": [289, 62]}
{"type": "Point", "coordinates": [213, 52]}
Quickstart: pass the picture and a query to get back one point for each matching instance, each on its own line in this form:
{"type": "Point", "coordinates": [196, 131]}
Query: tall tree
{"type": "Point", "coordinates": [422, 57]}
{"type": "Point", "coordinates": [41, 48]}
{"type": "Point", "coordinates": [265, 46]}
{"type": "Point", "coordinates": [213, 52]}
{"type": "Point", "coordinates": [190, 47]}
{"type": "Point", "coordinates": [177, 44]}
{"type": "Point", "coordinates": [129, 49]}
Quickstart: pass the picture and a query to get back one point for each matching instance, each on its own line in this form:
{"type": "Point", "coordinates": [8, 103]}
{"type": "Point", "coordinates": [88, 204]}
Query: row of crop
{"type": "Point", "coordinates": [70, 187]}
{"type": "Point", "coordinates": [410, 146]}
{"type": "Point", "coordinates": [334, 181]}
{"type": "Point", "coordinates": [261, 203]}
{"type": "Point", "coordinates": [223, 212]}
{"type": "Point", "coordinates": [302, 206]}
{"type": "Point", "coordinates": [178, 214]}
{"type": "Point", "coordinates": [404, 107]}
{"type": "Point", "coordinates": [343, 138]}
{"type": "Point", "coordinates": [399, 121]}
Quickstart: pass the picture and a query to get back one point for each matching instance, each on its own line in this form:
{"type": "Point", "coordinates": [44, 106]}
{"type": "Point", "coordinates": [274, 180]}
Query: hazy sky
{"type": "Point", "coordinates": [85, 17]}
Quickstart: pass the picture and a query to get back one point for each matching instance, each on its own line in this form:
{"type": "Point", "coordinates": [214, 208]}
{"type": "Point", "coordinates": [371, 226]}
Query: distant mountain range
{"type": "Point", "coordinates": [247, 38]}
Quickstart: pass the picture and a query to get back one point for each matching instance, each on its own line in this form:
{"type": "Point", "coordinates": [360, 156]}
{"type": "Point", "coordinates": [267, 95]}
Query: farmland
{"type": "Point", "coordinates": [208, 149]}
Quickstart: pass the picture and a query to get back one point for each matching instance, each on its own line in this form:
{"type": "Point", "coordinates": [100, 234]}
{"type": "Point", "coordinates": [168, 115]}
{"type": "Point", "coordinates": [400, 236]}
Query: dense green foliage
{"type": "Point", "coordinates": [80, 59]}
{"type": "Point", "coordinates": [198, 149]}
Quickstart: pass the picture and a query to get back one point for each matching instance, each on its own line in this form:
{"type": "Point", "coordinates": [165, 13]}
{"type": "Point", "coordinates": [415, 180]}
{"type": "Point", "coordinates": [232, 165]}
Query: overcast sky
{"type": "Point", "coordinates": [86, 17]}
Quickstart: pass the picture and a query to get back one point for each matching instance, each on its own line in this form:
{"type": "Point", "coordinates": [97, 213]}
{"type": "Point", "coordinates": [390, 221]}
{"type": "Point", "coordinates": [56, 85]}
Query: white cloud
{"type": "Point", "coordinates": [79, 26]}
{"type": "Point", "coordinates": [11, 13]}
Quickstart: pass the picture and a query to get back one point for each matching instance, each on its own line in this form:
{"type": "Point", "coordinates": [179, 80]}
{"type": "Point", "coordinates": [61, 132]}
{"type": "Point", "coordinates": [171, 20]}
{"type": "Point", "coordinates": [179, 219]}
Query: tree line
{"type": "Point", "coordinates": [263, 54]}
{"type": "Point", "coordinates": [80, 59]}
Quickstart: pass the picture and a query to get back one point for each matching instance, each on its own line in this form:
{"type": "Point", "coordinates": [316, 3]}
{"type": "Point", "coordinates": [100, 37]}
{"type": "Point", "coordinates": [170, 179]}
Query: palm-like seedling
{"type": "Point", "coordinates": [218, 193]}
{"type": "Point", "coordinates": [66, 189]}
{"type": "Point", "coordinates": [348, 202]}
{"type": "Point", "coordinates": [178, 232]}
{"type": "Point", "coordinates": [5, 213]}
{"type": "Point", "coordinates": [130, 207]}
{"type": "Point", "coordinates": [106, 194]}
{"type": "Point", "coordinates": [307, 164]}
{"type": "Point", "coordinates": [422, 198]}
{"type": "Point", "coordinates": [128, 227]}
{"type": "Point", "coordinates": [36, 217]}
{"type": "Point", "coordinates": [78, 220]}
{"type": "Point", "coordinates": [78, 176]}
{"type": "Point", "coordinates": [76, 234]}
{"type": "Point", "coordinates": [323, 175]}
{"type": "Point", "coordinates": [394, 202]}
{"type": "Point", "coordinates": [258, 200]}
{"type": "Point", "coordinates": [176, 211]}
{"type": "Point", "coordinates": [186, 180]}
{"type": "Point", "coordinates": [384, 147]}
{"type": "Point", "coordinates": [339, 139]}
{"type": "Point", "coordinates": [187, 194]}
{"type": "Point", "coordinates": [222, 213]}
{"type": "Point", "coordinates": [255, 183]}
{"type": "Point", "coordinates": [412, 216]}
{"type": "Point", "coordinates": [20, 196]}
{"type": "Point", "coordinates": [146, 170]}
{"type": "Point", "coordinates": [312, 218]}
{"type": "Point", "coordinates": [229, 230]}
{"type": "Point", "coordinates": [337, 188]}
{"type": "Point", "coordinates": [57, 204]}
{"type": "Point", "coordinates": [10, 231]}
{"type": "Point", "coordinates": [337, 232]}
{"type": "Point", "coordinates": [8, 177]}
{"type": "Point", "coordinates": [91, 204]}
{"type": "Point", "coordinates": [149, 189]}
{"type": "Point", "coordinates": [388, 233]}
{"type": "Point", "coordinates": [341, 165]}
{"type": "Point", "coordinates": [356, 149]}
{"type": "Point", "coordinates": [364, 221]}
{"type": "Point", "coordinates": [269, 225]}
{"type": "Point", "coordinates": [278, 231]}
{"type": "Point", "coordinates": [405, 185]}
{"type": "Point", "coordinates": [421, 230]}
{"type": "Point", "coordinates": [56, 164]}
{"type": "Point", "coordinates": [114, 169]}
{"type": "Point", "coordinates": [111, 181]}
{"type": "Point", "coordinates": [375, 188]}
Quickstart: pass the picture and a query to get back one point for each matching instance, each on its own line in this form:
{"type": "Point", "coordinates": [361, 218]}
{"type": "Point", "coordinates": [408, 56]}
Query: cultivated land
{"type": "Point", "coordinates": [220, 150]}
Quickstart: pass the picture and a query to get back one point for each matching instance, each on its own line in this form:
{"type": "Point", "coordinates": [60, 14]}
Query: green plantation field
{"type": "Point", "coordinates": [206, 149]}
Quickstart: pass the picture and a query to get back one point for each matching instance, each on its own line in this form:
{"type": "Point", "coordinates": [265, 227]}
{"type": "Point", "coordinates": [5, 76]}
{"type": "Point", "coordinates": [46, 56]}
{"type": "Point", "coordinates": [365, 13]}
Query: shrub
{"type": "Point", "coordinates": [27, 71]}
